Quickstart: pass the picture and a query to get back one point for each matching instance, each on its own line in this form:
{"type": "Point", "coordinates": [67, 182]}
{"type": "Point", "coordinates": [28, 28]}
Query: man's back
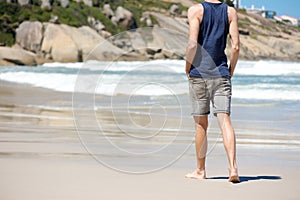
{"type": "Point", "coordinates": [210, 60]}
{"type": "Point", "coordinates": [213, 32]}
{"type": "Point", "coordinates": [210, 23]}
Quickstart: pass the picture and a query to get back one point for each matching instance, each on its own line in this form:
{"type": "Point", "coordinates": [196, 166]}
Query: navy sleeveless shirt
{"type": "Point", "coordinates": [210, 60]}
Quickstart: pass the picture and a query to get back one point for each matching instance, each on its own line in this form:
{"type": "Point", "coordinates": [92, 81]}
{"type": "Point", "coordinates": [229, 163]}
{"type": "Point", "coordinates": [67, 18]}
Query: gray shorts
{"type": "Point", "coordinates": [206, 90]}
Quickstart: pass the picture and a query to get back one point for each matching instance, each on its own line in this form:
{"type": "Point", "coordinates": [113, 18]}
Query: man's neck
{"type": "Point", "coordinates": [213, 1]}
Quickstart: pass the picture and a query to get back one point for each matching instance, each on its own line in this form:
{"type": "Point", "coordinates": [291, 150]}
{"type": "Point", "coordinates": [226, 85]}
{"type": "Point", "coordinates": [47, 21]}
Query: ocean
{"type": "Point", "coordinates": [140, 111]}
{"type": "Point", "coordinates": [271, 81]}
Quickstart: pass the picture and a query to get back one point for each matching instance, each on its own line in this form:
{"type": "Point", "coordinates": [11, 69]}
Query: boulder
{"type": "Point", "coordinates": [146, 14]}
{"type": "Point", "coordinates": [146, 19]}
{"type": "Point", "coordinates": [14, 56]}
{"type": "Point", "coordinates": [125, 18]}
{"type": "Point", "coordinates": [146, 42]}
{"type": "Point", "coordinates": [107, 11]}
{"type": "Point", "coordinates": [169, 54]}
{"type": "Point", "coordinates": [105, 34]}
{"type": "Point", "coordinates": [168, 40]}
{"type": "Point", "coordinates": [159, 56]}
{"type": "Point", "coordinates": [64, 3]}
{"type": "Point", "coordinates": [95, 47]}
{"type": "Point", "coordinates": [54, 19]}
{"type": "Point", "coordinates": [22, 2]}
{"type": "Point", "coordinates": [59, 45]}
{"type": "Point", "coordinates": [149, 22]}
{"type": "Point", "coordinates": [138, 42]}
{"type": "Point", "coordinates": [173, 23]}
{"type": "Point", "coordinates": [29, 35]}
{"type": "Point", "coordinates": [6, 63]}
{"type": "Point", "coordinates": [85, 39]}
{"type": "Point", "coordinates": [175, 10]}
{"type": "Point", "coordinates": [184, 13]}
{"type": "Point", "coordinates": [114, 20]}
{"type": "Point", "coordinates": [63, 43]}
{"type": "Point", "coordinates": [122, 41]}
{"type": "Point", "coordinates": [46, 5]}
{"type": "Point", "coordinates": [96, 24]}
{"type": "Point", "coordinates": [99, 26]}
{"type": "Point", "coordinates": [91, 21]}
{"type": "Point", "coordinates": [88, 2]}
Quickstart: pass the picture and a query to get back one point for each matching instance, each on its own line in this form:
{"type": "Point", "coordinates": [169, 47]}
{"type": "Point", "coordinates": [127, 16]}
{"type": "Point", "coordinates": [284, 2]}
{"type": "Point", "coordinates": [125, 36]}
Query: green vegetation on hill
{"type": "Point", "coordinates": [12, 14]}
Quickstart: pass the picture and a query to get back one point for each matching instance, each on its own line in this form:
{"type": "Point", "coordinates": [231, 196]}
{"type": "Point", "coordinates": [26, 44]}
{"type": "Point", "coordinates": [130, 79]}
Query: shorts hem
{"type": "Point", "coordinates": [197, 114]}
{"type": "Point", "coordinates": [226, 112]}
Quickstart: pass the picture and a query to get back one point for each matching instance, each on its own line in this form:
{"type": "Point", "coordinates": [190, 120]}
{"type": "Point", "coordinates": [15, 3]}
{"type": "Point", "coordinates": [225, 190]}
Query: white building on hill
{"type": "Point", "coordinates": [289, 20]}
{"type": "Point", "coordinates": [269, 14]}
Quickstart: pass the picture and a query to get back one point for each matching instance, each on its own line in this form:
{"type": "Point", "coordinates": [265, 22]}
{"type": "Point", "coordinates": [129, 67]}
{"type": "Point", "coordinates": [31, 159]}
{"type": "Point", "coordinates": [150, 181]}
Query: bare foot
{"type": "Point", "coordinates": [197, 174]}
{"type": "Point", "coordinates": [233, 176]}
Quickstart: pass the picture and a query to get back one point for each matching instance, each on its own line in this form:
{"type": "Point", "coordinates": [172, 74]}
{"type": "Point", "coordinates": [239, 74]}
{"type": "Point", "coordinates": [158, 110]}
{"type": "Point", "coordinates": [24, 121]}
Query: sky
{"type": "Point", "coordinates": [282, 7]}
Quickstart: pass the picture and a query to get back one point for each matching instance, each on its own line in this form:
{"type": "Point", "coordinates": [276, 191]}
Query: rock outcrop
{"type": "Point", "coordinates": [16, 56]}
{"type": "Point", "coordinates": [64, 3]}
{"type": "Point", "coordinates": [70, 44]}
{"type": "Point", "coordinates": [29, 36]}
{"type": "Point", "coordinates": [146, 18]}
{"type": "Point", "coordinates": [263, 39]}
{"type": "Point", "coordinates": [175, 10]}
{"type": "Point", "coordinates": [99, 27]}
{"type": "Point", "coordinates": [88, 2]}
{"type": "Point", "coordinates": [125, 18]}
{"type": "Point", "coordinates": [23, 2]}
{"type": "Point", "coordinates": [165, 37]}
{"type": "Point", "coordinates": [46, 5]}
{"type": "Point", "coordinates": [152, 43]}
{"type": "Point", "coordinates": [54, 19]}
{"type": "Point", "coordinates": [60, 43]}
{"type": "Point", "coordinates": [173, 23]}
{"type": "Point", "coordinates": [107, 11]}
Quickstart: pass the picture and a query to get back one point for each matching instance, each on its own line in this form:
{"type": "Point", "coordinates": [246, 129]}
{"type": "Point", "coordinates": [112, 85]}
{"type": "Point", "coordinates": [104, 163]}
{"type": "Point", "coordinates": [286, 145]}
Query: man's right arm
{"type": "Point", "coordinates": [194, 23]}
{"type": "Point", "coordinates": [234, 38]}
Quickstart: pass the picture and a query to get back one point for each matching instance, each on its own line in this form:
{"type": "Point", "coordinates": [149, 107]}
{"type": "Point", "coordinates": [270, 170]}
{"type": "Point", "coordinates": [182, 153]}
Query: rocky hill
{"type": "Point", "coordinates": [67, 31]}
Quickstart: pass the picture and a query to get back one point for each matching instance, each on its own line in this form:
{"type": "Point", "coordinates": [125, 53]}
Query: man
{"type": "Point", "coordinates": [210, 76]}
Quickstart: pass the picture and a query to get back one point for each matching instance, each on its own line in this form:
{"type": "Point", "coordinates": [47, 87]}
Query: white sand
{"type": "Point", "coordinates": [49, 178]}
{"type": "Point", "coordinates": [42, 159]}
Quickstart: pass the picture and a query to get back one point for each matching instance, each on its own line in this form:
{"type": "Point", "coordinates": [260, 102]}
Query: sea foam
{"type": "Point", "coordinates": [259, 80]}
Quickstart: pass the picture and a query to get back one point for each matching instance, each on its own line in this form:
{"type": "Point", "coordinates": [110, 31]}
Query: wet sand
{"type": "Point", "coordinates": [42, 157]}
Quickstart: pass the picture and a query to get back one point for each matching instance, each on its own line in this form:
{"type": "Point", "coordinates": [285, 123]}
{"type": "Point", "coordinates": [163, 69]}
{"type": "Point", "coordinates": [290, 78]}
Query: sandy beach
{"type": "Point", "coordinates": [42, 157]}
{"type": "Point", "coordinates": [95, 99]}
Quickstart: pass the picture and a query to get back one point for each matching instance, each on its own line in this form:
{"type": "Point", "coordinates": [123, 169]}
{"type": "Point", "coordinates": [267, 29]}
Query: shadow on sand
{"type": "Point", "coordinates": [248, 178]}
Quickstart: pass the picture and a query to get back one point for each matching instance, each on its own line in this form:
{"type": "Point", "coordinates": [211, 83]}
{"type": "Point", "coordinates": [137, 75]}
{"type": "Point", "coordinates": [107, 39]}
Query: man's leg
{"type": "Point", "coordinates": [201, 124]}
{"type": "Point", "coordinates": [229, 144]}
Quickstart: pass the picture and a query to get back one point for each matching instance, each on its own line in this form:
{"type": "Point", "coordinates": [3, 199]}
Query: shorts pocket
{"type": "Point", "coordinates": [224, 88]}
{"type": "Point", "coordinates": [198, 90]}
